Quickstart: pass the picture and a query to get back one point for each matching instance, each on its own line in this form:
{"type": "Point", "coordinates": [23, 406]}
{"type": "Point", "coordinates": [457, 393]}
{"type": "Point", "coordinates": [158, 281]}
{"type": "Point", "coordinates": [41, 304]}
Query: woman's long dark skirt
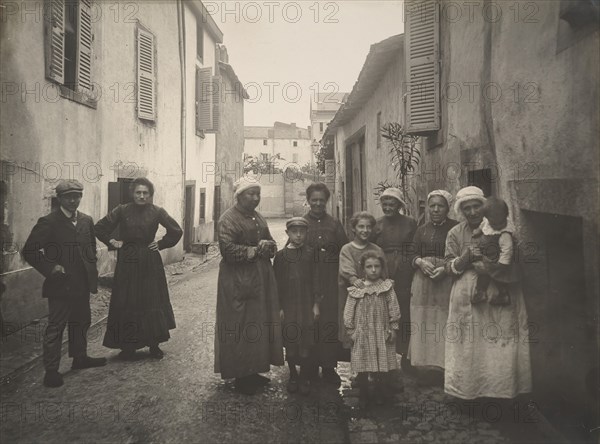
{"type": "Point", "coordinates": [140, 312]}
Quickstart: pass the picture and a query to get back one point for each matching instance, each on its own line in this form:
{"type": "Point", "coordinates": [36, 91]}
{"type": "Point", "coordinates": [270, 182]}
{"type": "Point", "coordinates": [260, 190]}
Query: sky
{"type": "Point", "coordinates": [283, 52]}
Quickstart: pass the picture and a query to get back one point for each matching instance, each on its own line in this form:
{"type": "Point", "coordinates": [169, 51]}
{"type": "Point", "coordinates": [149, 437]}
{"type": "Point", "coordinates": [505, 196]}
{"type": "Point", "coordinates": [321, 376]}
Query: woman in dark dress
{"type": "Point", "coordinates": [431, 290]}
{"type": "Point", "coordinates": [394, 233]}
{"type": "Point", "coordinates": [248, 331]}
{"type": "Point", "coordinates": [326, 237]}
{"type": "Point", "coordinates": [140, 313]}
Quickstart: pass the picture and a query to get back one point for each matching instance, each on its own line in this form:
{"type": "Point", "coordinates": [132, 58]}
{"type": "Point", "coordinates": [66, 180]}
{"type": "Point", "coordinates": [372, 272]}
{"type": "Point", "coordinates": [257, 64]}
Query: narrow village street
{"type": "Point", "coordinates": [437, 164]}
{"type": "Point", "coordinates": [176, 399]}
{"type": "Point", "coordinates": [181, 399]}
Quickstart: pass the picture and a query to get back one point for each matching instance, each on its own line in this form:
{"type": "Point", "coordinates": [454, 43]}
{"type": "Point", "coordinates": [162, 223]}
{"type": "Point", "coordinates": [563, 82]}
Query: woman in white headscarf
{"type": "Point", "coordinates": [430, 291]}
{"type": "Point", "coordinates": [248, 333]}
{"type": "Point", "coordinates": [394, 233]}
{"type": "Point", "coordinates": [487, 346]}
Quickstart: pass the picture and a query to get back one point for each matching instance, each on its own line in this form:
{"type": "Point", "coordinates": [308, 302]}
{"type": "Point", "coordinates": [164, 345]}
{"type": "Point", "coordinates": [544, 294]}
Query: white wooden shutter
{"type": "Point", "coordinates": [422, 66]}
{"type": "Point", "coordinates": [216, 97]}
{"type": "Point", "coordinates": [146, 87]}
{"type": "Point", "coordinates": [84, 46]}
{"type": "Point", "coordinates": [55, 42]}
{"type": "Point", "coordinates": [204, 99]}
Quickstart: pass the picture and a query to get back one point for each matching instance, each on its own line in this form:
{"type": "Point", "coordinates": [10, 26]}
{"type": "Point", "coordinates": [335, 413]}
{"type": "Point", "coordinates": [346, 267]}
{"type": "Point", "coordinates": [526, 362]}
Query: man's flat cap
{"type": "Point", "coordinates": [296, 222]}
{"type": "Point", "coordinates": [69, 186]}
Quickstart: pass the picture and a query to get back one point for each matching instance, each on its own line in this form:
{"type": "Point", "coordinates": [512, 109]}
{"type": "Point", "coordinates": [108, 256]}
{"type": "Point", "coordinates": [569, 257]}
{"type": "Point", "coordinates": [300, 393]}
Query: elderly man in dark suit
{"type": "Point", "coordinates": [62, 247]}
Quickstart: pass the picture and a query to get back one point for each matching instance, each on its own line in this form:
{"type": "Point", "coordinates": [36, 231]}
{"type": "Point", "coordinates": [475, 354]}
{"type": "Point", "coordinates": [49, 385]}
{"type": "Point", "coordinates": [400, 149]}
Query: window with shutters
{"type": "Point", "coordinates": [68, 52]}
{"type": "Point", "coordinates": [216, 102]}
{"type": "Point", "coordinates": [295, 143]}
{"type": "Point", "coordinates": [146, 75]}
{"type": "Point", "coordinates": [208, 101]}
{"type": "Point", "coordinates": [422, 66]}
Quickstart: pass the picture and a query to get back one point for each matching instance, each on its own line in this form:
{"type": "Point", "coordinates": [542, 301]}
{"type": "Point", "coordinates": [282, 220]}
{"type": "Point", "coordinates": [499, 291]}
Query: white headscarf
{"type": "Point", "coordinates": [443, 193]}
{"type": "Point", "coordinates": [395, 193]}
{"type": "Point", "coordinates": [468, 193]}
{"type": "Point", "coordinates": [244, 183]}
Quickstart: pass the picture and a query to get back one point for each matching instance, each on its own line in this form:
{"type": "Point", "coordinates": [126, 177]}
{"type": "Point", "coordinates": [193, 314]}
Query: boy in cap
{"type": "Point", "coordinates": [299, 298]}
{"type": "Point", "coordinates": [62, 247]}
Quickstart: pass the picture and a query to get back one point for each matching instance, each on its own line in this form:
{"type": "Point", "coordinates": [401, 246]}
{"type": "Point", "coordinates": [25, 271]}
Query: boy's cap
{"type": "Point", "coordinates": [296, 222]}
{"type": "Point", "coordinates": [68, 186]}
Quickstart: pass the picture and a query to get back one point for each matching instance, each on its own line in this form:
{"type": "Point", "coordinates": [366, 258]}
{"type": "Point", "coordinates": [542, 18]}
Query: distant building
{"type": "Point", "coordinates": [288, 140]}
{"type": "Point", "coordinates": [323, 107]}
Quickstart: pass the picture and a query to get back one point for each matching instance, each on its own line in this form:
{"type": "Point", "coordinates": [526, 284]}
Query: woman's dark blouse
{"type": "Point", "coordinates": [394, 233]}
{"type": "Point", "coordinates": [239, 232]}
{"type": "Point", "coordinates": [430, 239]}
{"type": "Point", "coordinates": [139, 224]}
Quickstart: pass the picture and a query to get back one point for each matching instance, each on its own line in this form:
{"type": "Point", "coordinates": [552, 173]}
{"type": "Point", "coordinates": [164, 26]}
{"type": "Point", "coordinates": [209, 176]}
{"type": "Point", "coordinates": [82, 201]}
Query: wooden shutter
{"type": "Point", "coordinates": [84, 47]}
{"type": "Point", "coordinates": [422, 65]}
{"type": "Point", "coordinates": [204, 99]}
{"type": "Point", "coordinates": [216, 98]}
{"type": "Point", "coordinates": [146, 88]}
{"type": "Point", "coordinates": [55, 42]}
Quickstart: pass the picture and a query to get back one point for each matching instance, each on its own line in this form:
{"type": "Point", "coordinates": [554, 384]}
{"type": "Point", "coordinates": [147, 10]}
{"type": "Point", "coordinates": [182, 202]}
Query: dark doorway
{"type": "Point", "coordinates": [119, 194]}
{"type": "Point", "coordinates": [188, 222]}
{"type": "Point", "coordinates": [482, 179]}
{"type": "Point", "coordinates": [348, 207]}
{"type": "Point", "coordinates": [217, 208]}
{"type": "Point", "coordinates": [362, 173]}
{"type": "Point", "coordinates": [563, 347]}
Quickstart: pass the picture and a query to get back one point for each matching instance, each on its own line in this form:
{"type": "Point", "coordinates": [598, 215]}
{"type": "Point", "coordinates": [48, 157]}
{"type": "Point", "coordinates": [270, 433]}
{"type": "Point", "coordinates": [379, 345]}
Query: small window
{"type": "Point", "coordinates": [264, 157]}
{"type": "Point", "coordinates": [295, 157]}
{"type": "Point", "coordinates": [578, 19]}
{"type": "Point", "coordinates": [199, 40]}
{"type": "Point", "coordinates": [202, 204]}
{"type": "Point", "coordinates": [482, 179]}
{"type": "Point", "coordinates": [378, 129]}
{"type": "Point", "coordinates": [579, 12]}
{"type": "Point", "coordinates": [295, 143]}
{"type": "Point", "coordinates": [264, 142]}
{"type": "Point", "coordinates": [321, 126]}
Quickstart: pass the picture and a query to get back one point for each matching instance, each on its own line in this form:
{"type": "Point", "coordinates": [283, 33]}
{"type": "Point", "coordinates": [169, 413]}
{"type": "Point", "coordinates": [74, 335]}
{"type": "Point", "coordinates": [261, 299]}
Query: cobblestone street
{"type": "Point", "coordinates": [180, 399]}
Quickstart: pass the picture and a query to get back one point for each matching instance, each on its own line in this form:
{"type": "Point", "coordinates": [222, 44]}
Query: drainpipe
{"type": "Point", "coordinates": [181, 31]}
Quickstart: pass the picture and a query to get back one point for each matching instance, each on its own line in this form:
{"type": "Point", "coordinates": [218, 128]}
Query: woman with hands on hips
{"type": "Point", "coordinates": [140, 313]}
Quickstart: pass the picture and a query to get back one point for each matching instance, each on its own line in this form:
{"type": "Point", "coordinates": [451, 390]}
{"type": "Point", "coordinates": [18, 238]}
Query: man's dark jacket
{"type": "Point", "coordinates": [54, 240]}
